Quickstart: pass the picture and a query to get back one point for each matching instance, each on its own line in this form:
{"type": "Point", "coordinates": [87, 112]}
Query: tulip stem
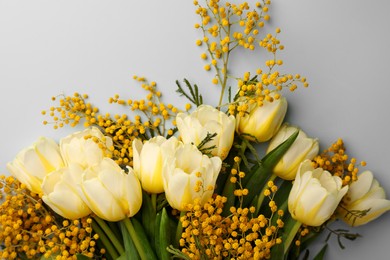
{"type": "Point", "coordinates": [261, 195]}
{"type": "Point", "coordinates": [292, 231]}
{"type": "Point", "coordinates": [112, 237]}
{"type": "Point", "coordinates": [153, 198]}
{"type": "Point", "coordinates": [105, 240]}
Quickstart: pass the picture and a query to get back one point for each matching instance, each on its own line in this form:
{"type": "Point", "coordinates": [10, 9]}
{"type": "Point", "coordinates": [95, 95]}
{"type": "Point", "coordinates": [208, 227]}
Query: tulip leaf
{"type": "Point", "coordinates": [164, 236]}
{"type": "Point", "coordinates": [321, 254]}
{"type": "Point", "coordinates": [148, 215]}
{"type": "Point", "coordinates": [130, 249]}
{"type": "Point", "coordinates": [255, 183]}
{"type": "Point", "coordinates": [277, 252]}
{"type": "Point", "coordinates": [157, 234]}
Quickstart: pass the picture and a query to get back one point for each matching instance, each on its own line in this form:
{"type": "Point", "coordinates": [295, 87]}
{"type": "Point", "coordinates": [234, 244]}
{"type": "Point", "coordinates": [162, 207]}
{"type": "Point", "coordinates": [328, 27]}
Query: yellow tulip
{"type": "Point", "coordinates": [61, 195]}
{"type": "Point", "coordinates": [33, 163]}
{"type": "Point", "coordinates": [262, 122]}
{"type": "Point", "coordinates": [190, 175]}
{"type": "Point", "coordinates": [303, 148]}
{"type": "Point", "coordinates": [148, 159]}
{"type": "Point", "coordinates": [109, 192]}
{"type": "Point", "coordinates": [206, 119]}
{"type": "Point", "coordinates": [315, 195]}
{"type": "Point", "coordinates": [364, 202]}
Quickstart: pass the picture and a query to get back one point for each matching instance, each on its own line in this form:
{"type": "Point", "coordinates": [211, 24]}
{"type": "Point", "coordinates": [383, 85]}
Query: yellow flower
{"type": "Point", "coordinates": [364, 195]}
{"type": "Point", "coordinates": [61, 195]}
{"type": "Point", "coordinates": [33, 163]}
{"type": "Point", "coordinates": [85, 147]}
{"type": "Point", "coordinates": [206, 119]}
{"type": "Point", "coordinates": [303, 148]}
{"type": "Point", "coordinates": [262, 122]}
{"type": "Point", "coordinates": [111, 193]}
{"type": "Point", "coordinates": [190, 175]}
{"type": "Point", "coordinates": [315, 195]}
{"type": "Point", "coordinates": [148, 159]}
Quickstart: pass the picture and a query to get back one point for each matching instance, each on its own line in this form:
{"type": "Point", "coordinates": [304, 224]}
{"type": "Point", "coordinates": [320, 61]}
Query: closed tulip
{"type": "Point", "coordinates": [206, 119]}
{"type": "Point", "coordinates": [109, 192]}
{"type": "Point", "coordinates": [262, 122]}
{"type": "Point", "coordinates": [303, 148]}
{"type": "Point", "coordinates": [86, 148]}
{"type": "Point", "coordinates": [190, 175]}
{"type": "Point", "coordinates": [148, 159]}
{"type": "Point", "coordinates": [364, 202]}
{"type": "Point", "coordinates": [33, 163]}
{"type": "Point", "coordinates": [315, 195]}
{"type": "Point", "coordinates": [61, 195]}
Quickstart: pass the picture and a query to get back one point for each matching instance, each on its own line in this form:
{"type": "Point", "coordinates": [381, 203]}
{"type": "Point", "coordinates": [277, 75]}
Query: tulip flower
{"type": "Point", "coordinates": [61, 195]}
{"type": "Point", "coordinates": [205, 120]}
{"type": "Point", "coordinates": [262, 122]}
{"type": "Point", "coordinates": [303, 148]}
{"type": "Point", "coordinates": [315, 195]}
{"type": "Point", "coordinates": [148, 159]}
{"type": "Point", "coordinates": [32, 164]}
{"type": "Point", "coordinates": [86, 148]}
{"type": "Point", "coordinates": [109, 192]}
{"type": "Point", "coordinates": [364, 202]}
{"type": "Point", "coordinates": [190, 175]}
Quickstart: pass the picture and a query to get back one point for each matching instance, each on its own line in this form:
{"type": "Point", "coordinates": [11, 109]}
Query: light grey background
{"type": "Point", "coordinates": [92, 46]}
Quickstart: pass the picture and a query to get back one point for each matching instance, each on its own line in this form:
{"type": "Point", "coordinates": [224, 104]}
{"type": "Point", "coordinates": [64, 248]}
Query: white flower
{"type": "Point", "coordinates": [205, 120]}
{"type": "Point", "coordinates": [315, 195]}
{"type": "Point", "coordinates": [364, 194]}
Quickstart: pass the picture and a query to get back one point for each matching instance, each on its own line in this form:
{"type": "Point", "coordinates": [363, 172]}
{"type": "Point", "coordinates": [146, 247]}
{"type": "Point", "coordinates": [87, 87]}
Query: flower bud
{"type": "Point", "coordinates": [364, 202]}
{"type": "Point", "coordinates": [262, 122]}
{"type": "Point", "coordinates": [303, 148]}
{"type": "Point", "coordinates": [205, 120]}
{"type": "Point", "coordinates": [33, 163]}
{"type": "Point", "coordinates": [315, 195]}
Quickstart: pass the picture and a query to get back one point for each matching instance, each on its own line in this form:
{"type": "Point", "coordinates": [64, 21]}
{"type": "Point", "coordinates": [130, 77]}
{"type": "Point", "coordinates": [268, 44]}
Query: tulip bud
{"type": "Point", "coordinates": [303, 148]}
{"type": "Point", "coordinates": [86, 148]}
{"type": "Point", "coordinates": [32, 164]}
{"type": "Point", "coordinates": [205, 120]}
{"type": "Point", "coordinates": [190, 175]}
{"type": "Point", "coordinates": [364, 202]}
{"type": "Point", "coordinates": [109, 192]}
{"type": "Point", "coordinates": [148, 159]}
{"type": "Point", "coordinates": [262, 122]}
{"type": "Point", "coordinates": [315, 195]}
{"type": "Point", "coordinates": [61, 195]}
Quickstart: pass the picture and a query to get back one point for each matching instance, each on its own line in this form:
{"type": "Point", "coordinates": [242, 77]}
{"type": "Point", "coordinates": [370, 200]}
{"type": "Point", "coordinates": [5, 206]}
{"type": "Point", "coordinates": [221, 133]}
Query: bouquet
{"type": "Point", "coordinates": [198, 182]}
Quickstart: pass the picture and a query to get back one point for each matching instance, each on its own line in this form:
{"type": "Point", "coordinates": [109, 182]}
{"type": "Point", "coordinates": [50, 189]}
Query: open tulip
{"type": "Point", "coordinates": [61, 195]}
{"type": "Point", "coordinates": [262, 122]}
{"type": "Point", "coordinates": [33, 163]}
{"type": "Point", "coordinates": [86, 148]}
{"type": "Point", "coordinates": [109, 192]}
{"type": "Point", "coordinates": [315, 195]}
{"type": "Point", "coordinates": [205, 120]}
{"type": "Point", "coordinates": [364, 202]}
{"type": "Point", "coordinates": [148, 159]}
{"type": "Point", "coordinates": [303, 148]}
{"type": "Point", "coordinates": [190, 175]}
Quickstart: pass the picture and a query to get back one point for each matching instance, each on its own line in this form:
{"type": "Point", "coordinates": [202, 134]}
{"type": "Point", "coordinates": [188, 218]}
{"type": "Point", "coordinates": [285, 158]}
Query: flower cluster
{"type": "Point", "coordinates": [186, 183]}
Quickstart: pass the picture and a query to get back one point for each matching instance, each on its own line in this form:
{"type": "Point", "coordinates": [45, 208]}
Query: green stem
{"type": "Point", "coordinates": [261, 195]}
{"type": "Point", "coordinates": [179, 230]}
{"type": "Point", "coordinates": [135, 238]}
{"type": "Point", "coordinates": [291, 234]}
{"type": "Point", "coordinates": [105, 240]}
{"type": "Point", "coordinates": [117, 244]}
{"type": "Point", "coordinates": [153, 198]}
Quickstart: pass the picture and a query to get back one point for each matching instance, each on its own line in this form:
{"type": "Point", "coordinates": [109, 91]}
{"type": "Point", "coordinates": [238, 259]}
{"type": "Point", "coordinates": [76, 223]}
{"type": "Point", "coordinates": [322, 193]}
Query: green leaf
{"type": "Point", "coordinates": [157, 234]}
{"type": "Point", "coordinates": [164, 236]}
{"type": "Point", "coordinates": [142, 244]}
{"type": "Point", "coordinates": [148, 216]}
{"type": "Point", "coordinates": [194, 96]}
{"type": "Point", "coordinates": [79, 257]}
{"type": "Point", "coordinates": [130, 249]}
{"type": "Point", "coordinates": [321, 254]}
{"type": "Point", "coordinates": [277, 252]}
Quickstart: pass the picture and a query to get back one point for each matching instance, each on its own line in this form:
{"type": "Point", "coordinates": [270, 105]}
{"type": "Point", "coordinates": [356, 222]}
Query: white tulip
{"type": "Point", "coordinates": [190, 175]}
{"type": "Point", "coordinates": [315, 195]}
{"type": "Point", "coordinates": [303, 148]}
{"type": "Point", "coordinates": [86, 148]}
{"type": "Point", "coordinates": [61, 195]}
{"type": "Point", "coordinates": [109, 192]}
{"type": "Point", "coordinates": [206, 119]}
{"type": "Point", "coordinates": [364, 195]}
{"type": "Point", "coordinates": [148, 159]}
{"type": "Point", "coordinates": [33, 163]}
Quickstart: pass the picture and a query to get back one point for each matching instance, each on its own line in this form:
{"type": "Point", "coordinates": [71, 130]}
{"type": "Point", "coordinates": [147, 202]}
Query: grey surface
{"type": "Point", "coordinates": [50, 47]}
